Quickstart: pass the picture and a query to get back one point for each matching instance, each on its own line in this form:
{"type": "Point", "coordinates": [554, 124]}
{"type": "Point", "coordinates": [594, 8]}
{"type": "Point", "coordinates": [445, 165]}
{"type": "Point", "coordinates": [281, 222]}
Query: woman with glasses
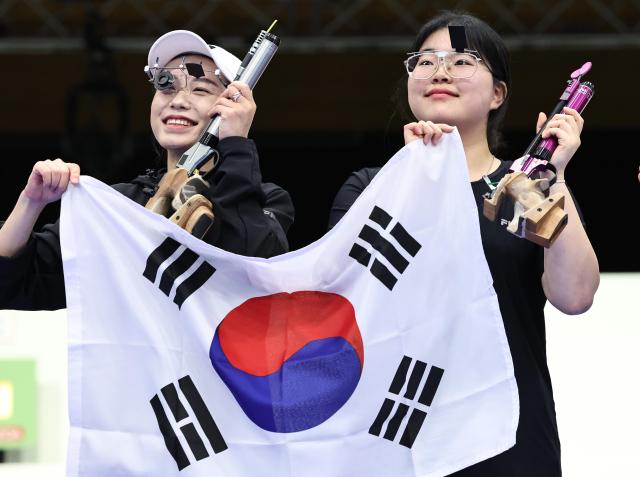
{"type": "Point", "coordinates": [193, 83]}
{"type": "Point", "coordinates": [468, 89]}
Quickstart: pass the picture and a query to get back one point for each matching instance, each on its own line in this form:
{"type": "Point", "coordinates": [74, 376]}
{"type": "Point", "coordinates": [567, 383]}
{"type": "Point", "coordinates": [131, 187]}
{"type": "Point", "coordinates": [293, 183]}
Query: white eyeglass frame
{"type": "Point", "coordinates": [441, 55]}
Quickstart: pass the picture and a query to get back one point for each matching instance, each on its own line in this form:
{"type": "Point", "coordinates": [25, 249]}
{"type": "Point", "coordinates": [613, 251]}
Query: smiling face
{"type": "Point", "coordinates": [461, 102]}
{"type": "Point", "coordinates": [180, 113]}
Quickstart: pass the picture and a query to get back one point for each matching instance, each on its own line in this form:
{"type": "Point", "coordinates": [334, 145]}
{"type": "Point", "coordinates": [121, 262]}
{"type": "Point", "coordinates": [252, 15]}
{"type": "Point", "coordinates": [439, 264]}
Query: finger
{"type": "Point", "coordinates": [541, 119]}
{"type": "Point", "coordinates": [437, 134]}
{"type": "Point", "coordinates": [227, 102]}
{"type": "Point", "coordinates": [560, 134]}
{"type": "Point", "coordinates": [413, 128]}
{"type": "Point", "coordinates": [417, 130]}
{"type": "Point", "coordinates": [64, 181]}
{"type": "Point", "coordinates": [222, 108]}
{"type": "Point", "coordinates": [575, 116]}
{"type": "Point", "coordinates": [441, 129]}
{"type": "Point", "coordinates": [556, 122]}
{"type": "Point", "coordinates": [61, 174]}
{"type": "Point", "coordinates": [565, 124]}
{"type": "Point", "coordinates": [74, 173]}
{"type": "Point", "coordinates": [411, 132]}
{"type": "Point", "coordinates": [549, 131]}
{"type": "Point", "coordinates": [43, 168]}
{"type": "Point", "coordinates": [567, 118]}
{"type": "Point", "coordinates": [36, 179]}
{"type": "Point", "coordinates": [427, 131]}
{"type": "Point", "coordinates": [573, 113]}
{"type": "Point", "coordinates": [233, 95]}
{"type": "Point", "coordinates": [561, 117]}
{"type": "Point", "coordinates": [243, 88]}
{"type": "Point", "coordinates": [57, 176]}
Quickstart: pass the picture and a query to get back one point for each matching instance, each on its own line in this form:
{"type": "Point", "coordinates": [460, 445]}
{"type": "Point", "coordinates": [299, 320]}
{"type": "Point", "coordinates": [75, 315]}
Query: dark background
{"type": "Point", "coordinates": [73, 87]}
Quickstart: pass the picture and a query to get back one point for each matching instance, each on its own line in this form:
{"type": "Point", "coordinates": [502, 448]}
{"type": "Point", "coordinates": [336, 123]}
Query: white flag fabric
{"type": "Point", "coordinates": [378, 350]}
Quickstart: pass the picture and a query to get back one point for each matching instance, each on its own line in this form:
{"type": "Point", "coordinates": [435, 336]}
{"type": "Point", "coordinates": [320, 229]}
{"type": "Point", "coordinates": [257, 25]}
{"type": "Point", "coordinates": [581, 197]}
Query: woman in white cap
{"type": "Point", "coordinates": [193, 83]}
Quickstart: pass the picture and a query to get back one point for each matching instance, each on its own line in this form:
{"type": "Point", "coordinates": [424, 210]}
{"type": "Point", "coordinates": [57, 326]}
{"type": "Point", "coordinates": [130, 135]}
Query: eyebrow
{"type": "Point", "coordinates": [207, 80]}
{"type": "Point", "coordinates": [431, 50]}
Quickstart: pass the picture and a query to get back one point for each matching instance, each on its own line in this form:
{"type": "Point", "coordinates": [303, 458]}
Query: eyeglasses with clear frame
{"type": "Point", "coordinates": [422, 65]}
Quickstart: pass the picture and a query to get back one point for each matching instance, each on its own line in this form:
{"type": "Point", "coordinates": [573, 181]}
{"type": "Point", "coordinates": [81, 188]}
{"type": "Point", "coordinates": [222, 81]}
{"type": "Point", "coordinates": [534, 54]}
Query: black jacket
{"type": "Point", "coordinates": [251, 218]}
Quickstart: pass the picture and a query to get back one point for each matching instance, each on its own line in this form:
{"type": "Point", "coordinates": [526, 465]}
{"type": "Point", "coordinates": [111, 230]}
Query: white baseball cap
{"type": "Point", "coordinates": [179, 42]}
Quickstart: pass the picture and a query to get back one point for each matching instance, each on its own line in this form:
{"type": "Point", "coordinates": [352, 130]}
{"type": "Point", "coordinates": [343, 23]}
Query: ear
{"type": "Point", "coordinates": [499, 94]}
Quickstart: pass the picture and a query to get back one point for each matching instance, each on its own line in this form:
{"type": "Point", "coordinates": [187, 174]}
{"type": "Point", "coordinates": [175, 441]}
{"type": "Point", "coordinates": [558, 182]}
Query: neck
{"type": "Point", "coordinates": [172, 158]}
{"type": "Point", "coordinates": [480, 161]}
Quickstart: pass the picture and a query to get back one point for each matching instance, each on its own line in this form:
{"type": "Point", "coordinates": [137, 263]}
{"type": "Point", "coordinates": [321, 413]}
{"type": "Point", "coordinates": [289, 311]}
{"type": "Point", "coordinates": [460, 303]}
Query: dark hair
{"type": "Point", "coordinates": [491, 48]}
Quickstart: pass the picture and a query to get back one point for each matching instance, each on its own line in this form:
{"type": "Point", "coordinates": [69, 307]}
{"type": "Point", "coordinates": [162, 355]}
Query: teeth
{"type": "Point", "coordinates": [179, 122]}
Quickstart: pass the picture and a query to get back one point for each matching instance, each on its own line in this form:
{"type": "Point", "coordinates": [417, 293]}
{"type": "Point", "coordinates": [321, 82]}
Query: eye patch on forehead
{"type": "Point", "coordinates": [194, 69]}
{"type": "Point", "coordinates": [458, 37]}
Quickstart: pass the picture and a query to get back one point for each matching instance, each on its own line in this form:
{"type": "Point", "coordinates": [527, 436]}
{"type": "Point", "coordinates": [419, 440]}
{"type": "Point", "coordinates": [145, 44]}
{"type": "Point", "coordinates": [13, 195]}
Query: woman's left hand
{"type": "Point", "coordinates": [236, 107]}
{"type": "Point", "coordinates": [566, 127]}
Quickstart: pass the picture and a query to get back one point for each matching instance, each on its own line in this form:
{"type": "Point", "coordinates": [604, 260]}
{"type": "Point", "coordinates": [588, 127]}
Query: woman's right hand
{"type": "Point", "coordinates": [47, 182]}
{"type": "Point", "coordinates": [425, 130]}
{"type": "Point", "coordinates": [49, 179]}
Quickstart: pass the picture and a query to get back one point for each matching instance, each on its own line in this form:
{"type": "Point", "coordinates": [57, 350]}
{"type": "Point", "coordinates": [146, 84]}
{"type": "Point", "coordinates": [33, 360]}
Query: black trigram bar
{"type": "Point", "coordinates": [414, 380]}
{"type": "Point", "coordinates": [384, 247]}
{"type": "Point", "coordinates": [383, 415]}
{"type": "Point", "coordinates": [159, 255]}
{"type": "Point", "coordinates": [205, 419]}
{"type": "Point", "coordinates": [188, 430]}
{"type": "Point", "coordinates": [401, 375]}
{"type": "Point", "coordinates": [396, 420]}
{"type": "Point", "coordinates": [416, 419]}
{"type": "Point", "coordinates": [179, 266]}
{"type": "Point", "coordinates": [380, 217]}
{"type": "Point", "coordinates": [403, 237]}
{"type": "Point", "coordinates": [173, 401]}
{"type": "Point", "coordinates": [431, 386]}
{"type": "Point", "coordinates": [383, 274]}
{"type": "Point", "coordinates": [360, 254]}
{"type": "Point", "coordinates": [195, 442]}
{"type": "Point", "coordinates": [191, 284]}
{"type": "Point", "coordinates": [170, 438]}
{"type": "Point", "coordinates": [417, 416]}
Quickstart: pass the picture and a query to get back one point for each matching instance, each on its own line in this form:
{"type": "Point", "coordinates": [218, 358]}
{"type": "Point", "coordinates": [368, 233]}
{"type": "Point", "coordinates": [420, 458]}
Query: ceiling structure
{"type": "Point", "coordinates": [312, 25]}
{"type": "Point", "coordinates": [338, 63]}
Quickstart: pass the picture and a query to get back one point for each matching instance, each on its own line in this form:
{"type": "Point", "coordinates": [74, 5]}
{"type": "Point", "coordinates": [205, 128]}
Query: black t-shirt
{"type": "Point", "coordinates": [516, 267]}
{"type": "Point", "coordinates": [251, 218]}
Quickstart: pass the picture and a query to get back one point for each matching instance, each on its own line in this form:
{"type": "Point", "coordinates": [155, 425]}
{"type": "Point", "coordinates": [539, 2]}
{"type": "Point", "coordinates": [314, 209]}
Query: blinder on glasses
{"type": "Point", "coordinates": [184, 77]}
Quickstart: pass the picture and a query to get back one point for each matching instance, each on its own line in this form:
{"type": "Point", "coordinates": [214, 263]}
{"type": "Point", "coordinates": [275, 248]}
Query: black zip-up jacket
{"type": "Point", "coordinates": [251, 218]}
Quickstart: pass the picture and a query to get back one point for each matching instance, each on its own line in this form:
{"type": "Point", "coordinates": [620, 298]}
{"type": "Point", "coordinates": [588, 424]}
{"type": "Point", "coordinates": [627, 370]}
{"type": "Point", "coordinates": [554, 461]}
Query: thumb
{"type": "Point", "coordinates": [541, 119]}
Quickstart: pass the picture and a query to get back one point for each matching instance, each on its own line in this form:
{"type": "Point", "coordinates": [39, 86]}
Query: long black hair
{"type": "Point", "coordinates": [491, 48]}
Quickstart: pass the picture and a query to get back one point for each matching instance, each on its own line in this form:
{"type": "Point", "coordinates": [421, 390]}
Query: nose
{"type": "Point", "coordinates": [180, 100]}
{"type": "Point", "coordinates": [441, 75]}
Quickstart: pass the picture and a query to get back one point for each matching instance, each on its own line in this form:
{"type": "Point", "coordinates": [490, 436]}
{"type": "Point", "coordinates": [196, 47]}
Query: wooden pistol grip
{"type": "Point", "coordinates": [491, 207]}
{"type": "Point", "coordinates": [544, 223]}
{"type": "Point", "coordinates": [195, 215]}
{"type": "Point", "coordinates": [170, 184]}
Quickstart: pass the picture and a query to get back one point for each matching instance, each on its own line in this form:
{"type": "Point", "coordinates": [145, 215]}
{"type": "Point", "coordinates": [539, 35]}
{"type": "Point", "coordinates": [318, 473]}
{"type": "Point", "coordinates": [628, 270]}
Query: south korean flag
{"type": "Point", "coordinates": [378, 350]}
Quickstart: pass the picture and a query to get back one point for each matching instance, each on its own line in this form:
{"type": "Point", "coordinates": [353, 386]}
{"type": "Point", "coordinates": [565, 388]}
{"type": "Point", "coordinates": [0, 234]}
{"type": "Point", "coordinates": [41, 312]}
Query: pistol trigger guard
{"type": "Point", "coordinates": [215, 158]}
